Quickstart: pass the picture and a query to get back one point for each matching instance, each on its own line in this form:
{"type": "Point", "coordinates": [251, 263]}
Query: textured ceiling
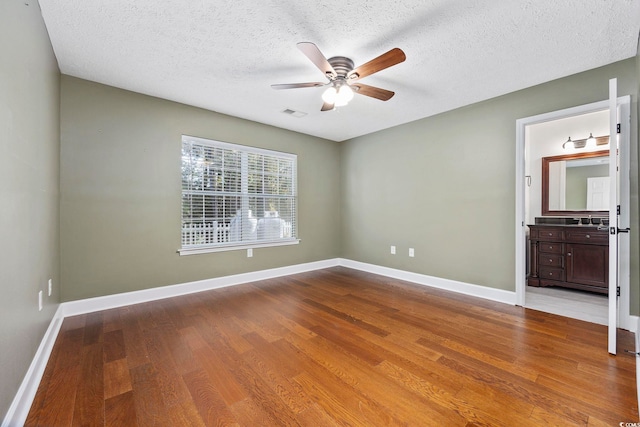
{"type": "Point", "coordinates": [224, 55]}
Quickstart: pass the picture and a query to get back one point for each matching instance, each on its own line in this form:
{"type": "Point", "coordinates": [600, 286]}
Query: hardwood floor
{"type": "Point", "coordinates": [333, 347]}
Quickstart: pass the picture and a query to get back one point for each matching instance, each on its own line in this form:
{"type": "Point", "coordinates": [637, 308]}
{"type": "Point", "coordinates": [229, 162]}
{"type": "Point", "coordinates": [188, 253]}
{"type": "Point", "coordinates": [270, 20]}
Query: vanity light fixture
{"type": "Point", "coordinates": [591, 142]}
{"type": "Point", "coordinates": [578, 143]}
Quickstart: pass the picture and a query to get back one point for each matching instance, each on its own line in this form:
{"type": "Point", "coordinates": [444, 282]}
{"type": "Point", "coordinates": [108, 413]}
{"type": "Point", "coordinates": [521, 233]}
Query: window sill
{"type": "Point", "coordinates": [236, 247]}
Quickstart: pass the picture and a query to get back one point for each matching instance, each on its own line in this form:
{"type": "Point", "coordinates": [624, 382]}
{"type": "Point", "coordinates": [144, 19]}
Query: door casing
{"type": "Point", "coordinates": [625, 320]}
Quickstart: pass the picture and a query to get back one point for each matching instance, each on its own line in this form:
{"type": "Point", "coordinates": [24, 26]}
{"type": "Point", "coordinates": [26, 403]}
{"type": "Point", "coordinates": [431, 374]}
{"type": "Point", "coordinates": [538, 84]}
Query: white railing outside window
{"type": "Point", "coordinates": [235, 196]}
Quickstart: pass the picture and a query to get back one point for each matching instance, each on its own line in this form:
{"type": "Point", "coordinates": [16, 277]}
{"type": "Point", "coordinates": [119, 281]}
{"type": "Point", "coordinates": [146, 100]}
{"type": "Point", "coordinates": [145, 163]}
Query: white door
{"type": "Point", "coordinates": [619, 207]}
{"type": "Point", "coordinates": [613, 215]}
{"type": "Point", "coordinates": [598, 193]}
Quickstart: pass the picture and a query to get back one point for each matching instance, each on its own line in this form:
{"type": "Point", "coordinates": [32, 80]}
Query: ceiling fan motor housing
{"type": "Point", "coordinates": [342, 65]}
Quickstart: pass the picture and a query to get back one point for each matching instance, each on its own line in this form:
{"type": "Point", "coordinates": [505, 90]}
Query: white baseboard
{"type": "Point", "coordinates": [73, 308]}
{"type": "Point", "coordinates": [90, 305]}
{"type": "Point", "coordinates": [19, 409]}
{"type": "Point", "coordinates": [507, 297]}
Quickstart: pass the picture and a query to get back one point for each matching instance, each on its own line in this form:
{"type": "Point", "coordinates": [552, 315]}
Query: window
{"type": "Point", "coordinates": [236, 197]}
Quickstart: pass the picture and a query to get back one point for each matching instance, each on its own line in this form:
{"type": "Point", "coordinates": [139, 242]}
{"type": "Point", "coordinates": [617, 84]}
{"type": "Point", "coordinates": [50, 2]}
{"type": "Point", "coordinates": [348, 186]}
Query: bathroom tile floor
{"type": "Point", "coordinates": [581, 305]}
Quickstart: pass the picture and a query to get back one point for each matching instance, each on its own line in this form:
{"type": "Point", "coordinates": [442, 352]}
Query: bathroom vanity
{"type": "Point", "coordinates": [569, 255]}
{"type": "Point", "coordinates": [569, 242]}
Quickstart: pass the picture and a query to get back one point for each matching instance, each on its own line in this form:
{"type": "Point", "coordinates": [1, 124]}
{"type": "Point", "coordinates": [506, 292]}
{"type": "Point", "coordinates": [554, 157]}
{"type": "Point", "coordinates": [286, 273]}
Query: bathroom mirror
{"type": "Point", "coordinates": [576, 184]}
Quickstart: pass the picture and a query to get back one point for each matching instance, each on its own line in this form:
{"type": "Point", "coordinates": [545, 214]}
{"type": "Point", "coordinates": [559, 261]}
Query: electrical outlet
{"type": "Point", "coordinates": [393, 250]}
{"type": "Point", "coordinates": [49, 289]}
{"type": "Point", "coordinates": [411, 252]}
{"type": "Point", "coordinates": [249, 252]}
{"type": "Point", "coordinates": [39, 300]}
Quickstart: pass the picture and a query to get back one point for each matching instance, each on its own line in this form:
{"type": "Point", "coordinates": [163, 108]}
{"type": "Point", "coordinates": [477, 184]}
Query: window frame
{"type": "Point", "coordinates": [244, 195]}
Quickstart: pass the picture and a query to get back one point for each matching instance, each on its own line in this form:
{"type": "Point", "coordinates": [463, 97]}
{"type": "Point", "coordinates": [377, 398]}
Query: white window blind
{"type": "Point", "coordinates": [235, 196]}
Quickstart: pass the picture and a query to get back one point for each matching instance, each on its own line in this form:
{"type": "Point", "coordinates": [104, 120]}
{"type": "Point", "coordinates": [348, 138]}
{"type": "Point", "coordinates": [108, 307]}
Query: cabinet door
{"type": "Point", "coordinates": [588, 264]}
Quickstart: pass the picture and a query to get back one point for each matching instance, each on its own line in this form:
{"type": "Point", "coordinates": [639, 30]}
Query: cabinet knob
{"type": "Point", "coordinates": [550, 234]}
{"type": "Point", "coordinates": [588, 237]}
{"type": "Point", "coordinates": [569, 254]}
{"type": "Point", "coordinates": [550, 261]}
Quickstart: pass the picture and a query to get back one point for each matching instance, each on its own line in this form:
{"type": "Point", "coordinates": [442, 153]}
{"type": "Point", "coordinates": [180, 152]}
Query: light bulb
{"type": "Point", "coordinates": [344, 95]}
{"type": "Point", "coordinates": [329, 95]}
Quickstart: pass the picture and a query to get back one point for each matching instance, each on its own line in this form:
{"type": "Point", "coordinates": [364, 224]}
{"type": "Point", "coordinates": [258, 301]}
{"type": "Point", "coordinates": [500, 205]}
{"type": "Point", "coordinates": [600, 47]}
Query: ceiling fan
{"type": "Point", "coordinates": [343, 77]}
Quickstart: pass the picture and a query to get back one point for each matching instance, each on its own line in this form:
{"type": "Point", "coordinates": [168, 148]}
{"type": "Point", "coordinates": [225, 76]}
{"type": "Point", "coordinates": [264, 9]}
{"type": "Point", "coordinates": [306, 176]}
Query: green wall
{"type": "Point", "coordinates": [120, 192]}
{"type": "Point", "coordinates": [29, 182]}
{"type": "Point", "coordinates": [445, 185]}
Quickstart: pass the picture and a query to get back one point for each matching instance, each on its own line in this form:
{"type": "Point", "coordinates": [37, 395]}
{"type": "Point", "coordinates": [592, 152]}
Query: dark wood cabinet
{"type": "Point", "coordinates": [569, 256]}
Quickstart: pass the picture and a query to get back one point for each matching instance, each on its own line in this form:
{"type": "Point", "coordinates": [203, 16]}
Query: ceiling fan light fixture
{"type": "Point", "coordinates": [338, 94]}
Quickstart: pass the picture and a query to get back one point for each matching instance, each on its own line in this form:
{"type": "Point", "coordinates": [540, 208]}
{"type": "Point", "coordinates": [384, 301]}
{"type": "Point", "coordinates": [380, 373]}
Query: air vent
{"type": "Point", "coordinates": [294, 113]}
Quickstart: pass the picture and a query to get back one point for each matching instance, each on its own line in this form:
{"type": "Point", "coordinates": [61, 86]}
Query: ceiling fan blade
{"type": "Point", "coordinates": [386, 60]}
{"type": "Point", "coordinates": [373, 92]}
{"type": "Point", "coordinates": [297, 85]}
{"type": "Point", "coordinates": [313, 53]}
{"type": "Point", "coordinates": [327, 107]}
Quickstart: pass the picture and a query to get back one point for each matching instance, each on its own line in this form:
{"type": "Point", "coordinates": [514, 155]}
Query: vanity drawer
{"type": "Point", "coordinates": [551, 248]}
{"type": "Point", "coordinates": [548, 233]}
{"type": "Point", "coordinates": [552, 273]}
{"type": "Point", "coordinates": [551, 260]}
{"type": "Point", "coordinates": [597, 237]}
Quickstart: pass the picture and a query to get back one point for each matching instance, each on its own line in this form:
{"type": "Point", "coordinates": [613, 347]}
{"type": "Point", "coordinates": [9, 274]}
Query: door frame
{"type": "Point", "coordinates": [624, 320]}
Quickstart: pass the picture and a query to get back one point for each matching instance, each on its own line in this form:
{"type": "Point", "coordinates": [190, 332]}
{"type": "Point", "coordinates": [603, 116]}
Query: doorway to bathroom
{"type": "Point", "coordinates": [565, 188]}
{"type": "Point", "coordinates": [557, 135]}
